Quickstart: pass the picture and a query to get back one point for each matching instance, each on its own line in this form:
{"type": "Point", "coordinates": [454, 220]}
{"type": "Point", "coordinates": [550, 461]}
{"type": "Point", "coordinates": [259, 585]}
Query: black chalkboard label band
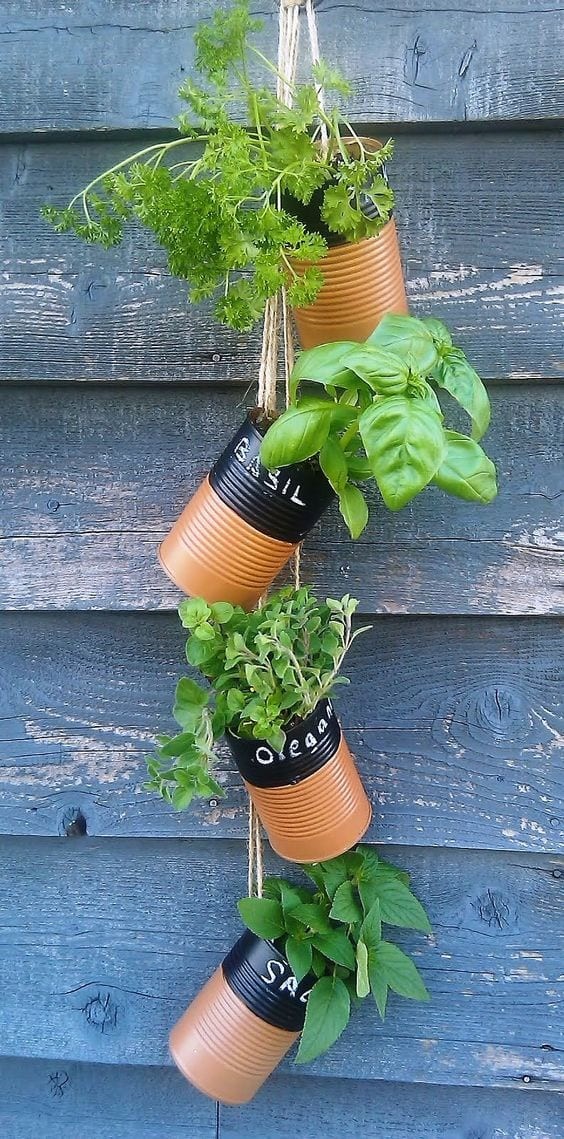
{"type": "Point", "coordinates": [308, 747]}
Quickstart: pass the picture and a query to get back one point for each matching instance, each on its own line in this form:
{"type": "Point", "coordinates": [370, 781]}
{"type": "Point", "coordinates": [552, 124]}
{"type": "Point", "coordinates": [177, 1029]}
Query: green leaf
{"type": "Point", "coordinates": [336, 870]}
{"type": "Point", "coordinates": [222, 611]}
{"type": "Point", "coordinates": [346, 907]}
{"type": "Point", "coordinates": [401, 974]}
{"type": "Point", "coordinates": [378, 984]}
{"type": "Point", "coordinates": [405, 445]}
{"type": "Point", "coordinates": [299, 955]}
{"type": "Point", "coordinates": [190, 700]}
{"type": "Point", "coordinates": [322, 365]}
{"type": "Point", "coordinates": [439, 332]}
{"type": "Point", "coordinates": [354, 510]}
{"type": "Point", "coordinates": [466, 471]}
{"type": "Point", "coordinates": [336, 946]}
{"type": "Point", "coordinates": [333, 464]}
{"type": "Point", "coordinates": [262, 916]}
{"type": "Point", "coordinates": [311, 916]}
{"type": "Point", "coordinates": [409, 339]}
{"type": "Point", "coordinates": [457, 376]}
{"type": "Point", "coordinates": [299, 433]}
{"type": "Point", "coordinates": [371, 928]}
{"type": "Point", "coordinates": [362, 981]}
{"type": "Point", "coordinates": [398, 906]}
{"type": "Point", "coordinates": [182, 797]}
{"type": "Point", "coordinates": [327, 1015]}
{"type": "Point", "coordinates": [383, 371]}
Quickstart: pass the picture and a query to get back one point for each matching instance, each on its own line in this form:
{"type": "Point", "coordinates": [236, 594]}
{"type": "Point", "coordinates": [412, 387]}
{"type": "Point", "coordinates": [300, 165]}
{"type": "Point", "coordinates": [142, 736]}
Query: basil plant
{"type": "Point", "coordinates": [379, 418]}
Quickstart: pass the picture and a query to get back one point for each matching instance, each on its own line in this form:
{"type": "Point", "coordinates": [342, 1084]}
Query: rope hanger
{"type": "Point", "coordinates": [277, 320]}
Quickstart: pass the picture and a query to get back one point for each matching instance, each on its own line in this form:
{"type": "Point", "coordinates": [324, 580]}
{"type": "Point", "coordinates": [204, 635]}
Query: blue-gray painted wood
{"type": "Point", "coordinates": [457, 748]}
{"type": "Point", "coordinates": [453, 60]}
{"type": "Point", "coordinates": [479, 230]}
{"type": "Point", "coordinates": [47, 1099]}
{"type": "Point", "coordinates": [94, 478]}
{"type": "Point", "coordinates": [105, 941]}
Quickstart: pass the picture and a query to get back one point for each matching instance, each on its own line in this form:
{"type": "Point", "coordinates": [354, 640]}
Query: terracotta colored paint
{"type": "Point", "coordinates": [362, 282]}
{"type": "Point", "coordinates": [321, 816]}
{"type": "Point", "coordinates": [223, 1048]}
{"type": "Point", "coordinates": [213, 553]}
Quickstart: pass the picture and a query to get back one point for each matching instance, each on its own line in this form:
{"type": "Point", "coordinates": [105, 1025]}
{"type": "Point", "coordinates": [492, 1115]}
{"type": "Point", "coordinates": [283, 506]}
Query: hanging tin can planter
{"type": "Point", "coordinates": [241, 1024]}
{"type": "Point", "coordinates": [243, 523]}
{"type": "Point", "coordinates": [362, 280]}
{"type": "Point", "coordinates": [309, 797]}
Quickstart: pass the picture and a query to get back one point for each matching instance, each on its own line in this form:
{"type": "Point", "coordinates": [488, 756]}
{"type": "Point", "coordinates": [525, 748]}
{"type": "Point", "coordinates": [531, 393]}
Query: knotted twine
{"type": "Point", "coordinates": [277, 319]}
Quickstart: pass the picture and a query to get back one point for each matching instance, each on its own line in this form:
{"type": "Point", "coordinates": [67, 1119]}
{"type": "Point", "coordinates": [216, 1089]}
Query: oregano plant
{"type": "Point", "coordinates": [379, 418]}
{"type": "Point", "coordinates": [263, 672]}
{"type": "Point", "coordinates": [336, 933]}
{"type": "Point", "coordinates": [223, 214]}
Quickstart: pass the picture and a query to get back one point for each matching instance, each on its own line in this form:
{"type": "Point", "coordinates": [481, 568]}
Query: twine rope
{"type": "Point", "coordinates": [277, 321]}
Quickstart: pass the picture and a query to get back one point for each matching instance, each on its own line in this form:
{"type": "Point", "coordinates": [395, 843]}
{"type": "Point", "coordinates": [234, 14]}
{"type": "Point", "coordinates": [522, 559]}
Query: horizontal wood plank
{"type": "Point", "coordinates": [44, 1099]}
{"type": "Point", "coordinates": [47, 1098]}
{"type": "Point", "coordinates": [479, 228]}
{"type": "Point", "coordinates": [457, 726]}
{"type": "Point", "coordinates": [454, 60]}
{"type": "Point", "coordinates": [105, 941]}
{"type": "Point", "coordinates": [93, 479]}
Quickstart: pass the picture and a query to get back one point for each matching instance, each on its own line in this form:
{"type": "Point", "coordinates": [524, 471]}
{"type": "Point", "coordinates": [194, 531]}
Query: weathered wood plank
{"type": "Point", "coordinates": [45, 1099]}
{"type": "Point", "coordinates": [456, 748]}
{"type": "Point", "coordinates": [94, 478]}
{"type": "Point", "coordinates": [479, 228]}
{"type": "Point", "coordinates": [459, 60]}
{"type": "Point", "coordinates": [104, 941]}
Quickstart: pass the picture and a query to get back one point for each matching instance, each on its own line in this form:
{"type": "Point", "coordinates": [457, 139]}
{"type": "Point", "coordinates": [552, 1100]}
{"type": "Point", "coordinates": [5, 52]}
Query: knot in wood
{"type": "Point", "coordinates": [101, 1012]}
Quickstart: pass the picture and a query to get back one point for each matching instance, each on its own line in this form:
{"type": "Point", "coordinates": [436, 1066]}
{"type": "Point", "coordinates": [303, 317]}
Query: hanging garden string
{"type": "Point", "coordinates": [277, 318]}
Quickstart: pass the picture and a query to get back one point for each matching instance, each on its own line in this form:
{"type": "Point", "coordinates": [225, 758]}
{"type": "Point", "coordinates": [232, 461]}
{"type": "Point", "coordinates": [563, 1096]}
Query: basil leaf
{"type": "Point", "coordinates": [354, 510]}
{"type": "Point", "coordinates": [409, 339]}
{"type": "Point", "coordinates": [401, 974]}
{"type": "Point", "coordinates": [383, 371]}
{"type": "Point", "coordinates": [466, 471]}
{"type": "Point", "coordinates": [333, 464]}
{"type": "Point", "coordinates": [404, 442]}
{"type": "Point", "coordinates": [458, 377]}
{"type": "Point", "coordinates": [439, 332]}
{"type": "Point", "coordinates": [299, 955]}
{"type": "Point", "coordinates": [346, 907]}
{"type": "Point", "coordinates": [262, 916]}
{"type": "Point", "coordinates": [327, 1015]}
{"type": "Point", "coordinates": [299, 433]}
{"type": "Point", "coordinates": [322, 365]}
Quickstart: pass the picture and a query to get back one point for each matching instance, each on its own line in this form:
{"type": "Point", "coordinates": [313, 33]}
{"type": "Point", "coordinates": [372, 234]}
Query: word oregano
{"type": "Point", "coordinates": [265, 670]}
{"type": "Point", "coordinates": [219, 215]}
{"type": "Point", "coordinates": [380, 418]}
{"type": "Point", "coordinates": [334, 933]}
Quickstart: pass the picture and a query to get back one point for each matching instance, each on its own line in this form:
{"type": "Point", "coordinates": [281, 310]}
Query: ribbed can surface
{"type": "Point", "coordinates": [318, 818]}
{"type": "Point", "coordinates": [362, 282]}
{"type": "Point", "coordinates": [308, 747]}
{"type": "Point", "coordinates": [285, 503]}
{"type": "Point", "coordinates": [260, 975]}
{"type": "Point", "coordinates": [223, 1048]}
{"type": "Point", "coordinates": [213, 553]}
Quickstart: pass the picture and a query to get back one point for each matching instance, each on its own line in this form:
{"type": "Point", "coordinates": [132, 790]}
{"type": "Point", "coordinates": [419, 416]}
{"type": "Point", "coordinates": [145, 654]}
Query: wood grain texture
{"type": "Point", "coordinates": [47, 1099]}
{"type": "Point", "coordinates": [93, 479]}
{"type": "Point", "coordinates": [458, 748]}
{"type": "Point", "coordinates": [453, 60]}
{"type": "Point", "coordinates": [479, 224]}
{"type": "Point", "coordinates": [105, 941]}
